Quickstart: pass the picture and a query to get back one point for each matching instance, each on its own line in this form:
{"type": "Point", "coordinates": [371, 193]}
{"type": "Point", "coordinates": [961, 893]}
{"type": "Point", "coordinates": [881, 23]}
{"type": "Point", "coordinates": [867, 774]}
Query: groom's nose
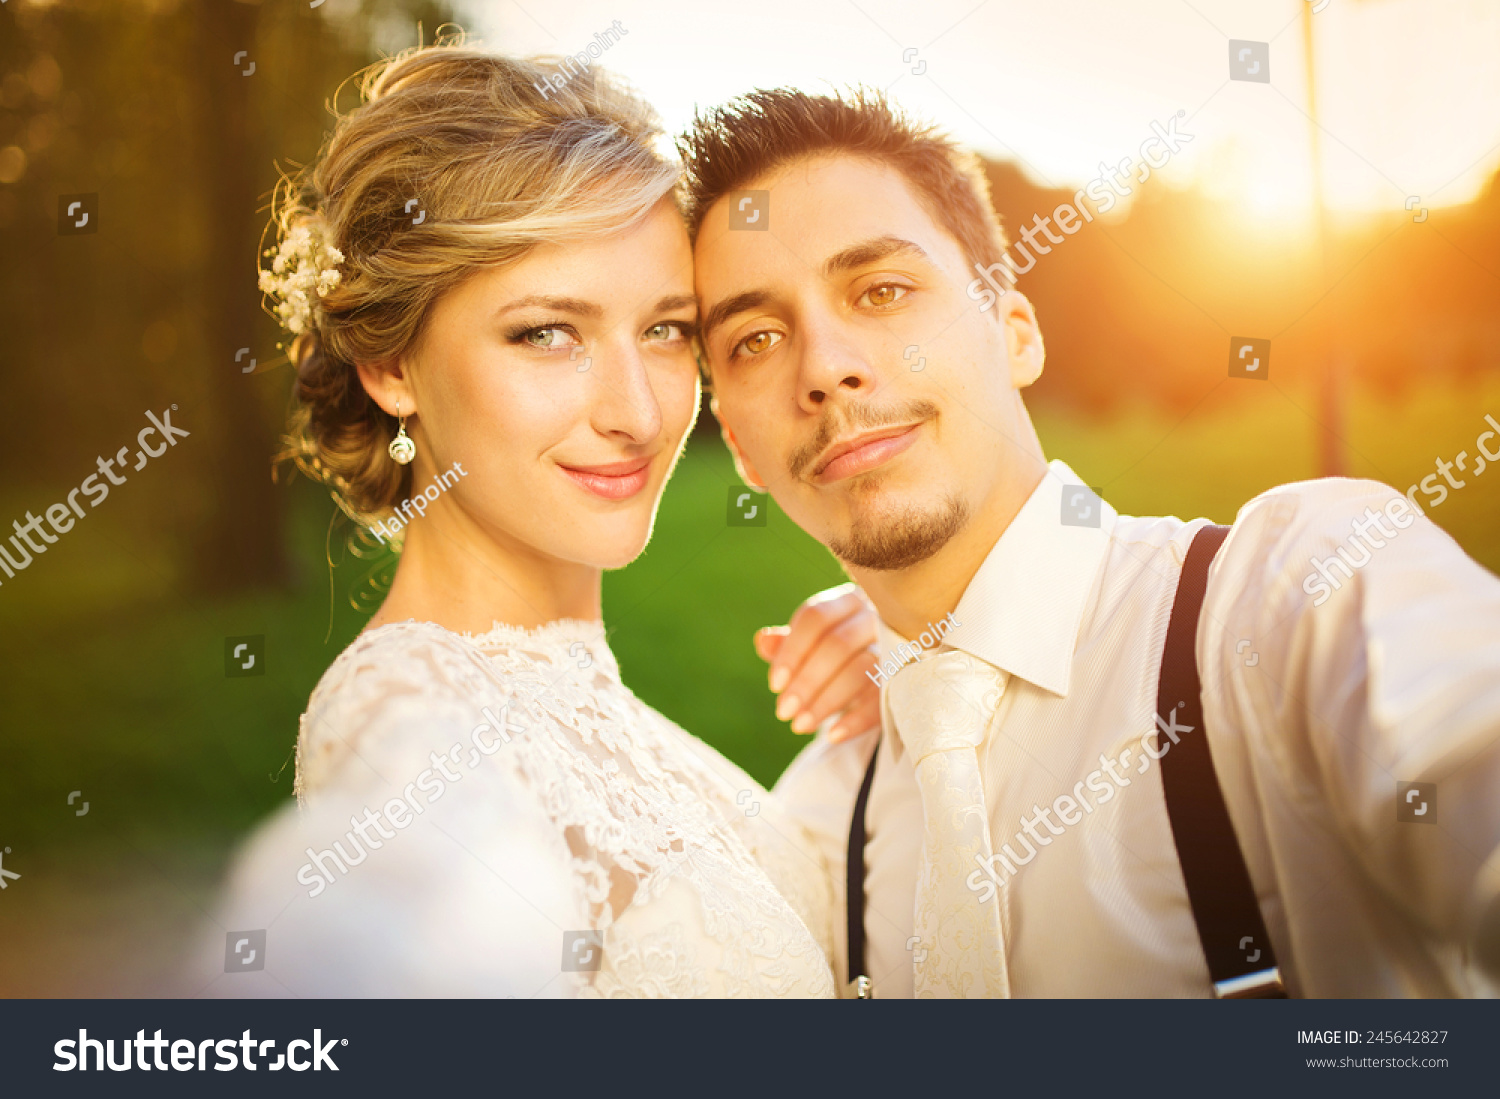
{"type": "Point", "coordinates": [833, 365]}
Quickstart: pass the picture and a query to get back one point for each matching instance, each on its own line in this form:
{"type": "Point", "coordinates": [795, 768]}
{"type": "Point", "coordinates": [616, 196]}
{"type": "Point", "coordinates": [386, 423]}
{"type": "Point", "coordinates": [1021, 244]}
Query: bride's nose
{"type": "Point", "coordinates": [623, 400]}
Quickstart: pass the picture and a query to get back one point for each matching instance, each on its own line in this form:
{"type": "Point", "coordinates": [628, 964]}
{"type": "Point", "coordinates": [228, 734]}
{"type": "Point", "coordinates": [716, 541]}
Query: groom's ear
{"type": "Point", "coordinates": [1023, 339]}
{"type": "Point", "coordinates": [741, 463]}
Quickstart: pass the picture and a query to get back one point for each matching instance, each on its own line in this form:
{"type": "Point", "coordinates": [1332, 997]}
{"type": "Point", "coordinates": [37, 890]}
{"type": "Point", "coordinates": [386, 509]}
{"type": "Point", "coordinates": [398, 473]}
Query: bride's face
{"type": "Point", "coordinates": [564, 385]}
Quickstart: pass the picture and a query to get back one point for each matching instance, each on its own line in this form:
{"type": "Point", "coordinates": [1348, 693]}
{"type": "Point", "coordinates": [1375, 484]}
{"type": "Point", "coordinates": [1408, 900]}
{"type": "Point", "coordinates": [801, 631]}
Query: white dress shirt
{"type": "Point", "coordinates": [1318, 701]}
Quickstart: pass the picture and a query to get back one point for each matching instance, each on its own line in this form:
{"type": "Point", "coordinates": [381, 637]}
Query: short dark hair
{"type": "Point", "coordinates": [732, 145]}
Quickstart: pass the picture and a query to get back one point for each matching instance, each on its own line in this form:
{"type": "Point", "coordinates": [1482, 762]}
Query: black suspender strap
{"type": "Point", "coordinates": [859, 987]}
{"type": "Point", "coordinates": [1240, 959]}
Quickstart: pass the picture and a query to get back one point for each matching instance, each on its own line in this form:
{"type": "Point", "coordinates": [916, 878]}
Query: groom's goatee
{"type": "Point", "coordinates": [902, 540]}
{"type": "Point", "coordinates": [857, 417]}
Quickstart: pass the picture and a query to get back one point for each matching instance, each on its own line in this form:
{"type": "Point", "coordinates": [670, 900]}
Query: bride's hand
{"type": "Point", "coordinates": [819, 660]}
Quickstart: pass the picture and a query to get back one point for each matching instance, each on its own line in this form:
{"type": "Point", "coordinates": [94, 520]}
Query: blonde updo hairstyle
{"type": "Point", "coordinates": [500, 154]}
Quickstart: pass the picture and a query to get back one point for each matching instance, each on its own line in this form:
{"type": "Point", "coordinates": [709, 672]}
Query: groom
{"type": "Point", "coordinates": [1079, 791]}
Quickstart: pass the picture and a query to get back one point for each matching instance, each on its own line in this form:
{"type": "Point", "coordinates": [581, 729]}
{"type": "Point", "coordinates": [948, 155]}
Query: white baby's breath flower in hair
{"type": "Point", "coordinates": [304, 262]}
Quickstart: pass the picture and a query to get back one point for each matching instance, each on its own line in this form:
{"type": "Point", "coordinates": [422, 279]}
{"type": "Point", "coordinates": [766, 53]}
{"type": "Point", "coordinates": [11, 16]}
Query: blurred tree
{"type": "Point", "coordinates": [242, 544]}
{"type": "Point", "coordinates": [155, 107]}
{"type": "Point", "coordinates": [146, 105]}
{"type": "Point", "coordinates": [1139, 307]}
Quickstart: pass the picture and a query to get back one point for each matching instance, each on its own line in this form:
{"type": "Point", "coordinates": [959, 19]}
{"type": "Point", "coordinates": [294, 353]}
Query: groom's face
{"type": "Point", "coordinates": [856, 379]}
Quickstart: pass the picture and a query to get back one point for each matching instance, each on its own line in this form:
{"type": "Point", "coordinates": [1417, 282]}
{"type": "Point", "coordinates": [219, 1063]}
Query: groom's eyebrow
{"type": "Point", "coordinates": [871, 251]}
{"type": "Point", "coordinates": [739, 303]}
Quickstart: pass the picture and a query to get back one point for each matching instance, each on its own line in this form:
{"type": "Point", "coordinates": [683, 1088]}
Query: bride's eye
{"type": "Point", "coordinates": [757, 343]}
{"type": "Point", "coordinates": [667, 330]}
{"type": "Point", "coordinates": [545, 337]}
{"type": "Point", "coordinates": [883, 294]}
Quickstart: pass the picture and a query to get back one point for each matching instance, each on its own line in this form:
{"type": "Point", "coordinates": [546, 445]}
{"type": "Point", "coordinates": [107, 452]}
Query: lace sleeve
{"type": "Point", "coordinates": [782, 847]}
{"type": "Point", "coordinates": [499, 815]}
{"type": "Point", "coordinates": [793, 861]}
{"type": "Point", "coordinates": [421, 862]}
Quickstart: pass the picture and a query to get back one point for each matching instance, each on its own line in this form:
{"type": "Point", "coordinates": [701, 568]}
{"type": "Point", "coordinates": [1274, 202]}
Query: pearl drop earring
{"type": "Point", "coordinates": [402, 450]}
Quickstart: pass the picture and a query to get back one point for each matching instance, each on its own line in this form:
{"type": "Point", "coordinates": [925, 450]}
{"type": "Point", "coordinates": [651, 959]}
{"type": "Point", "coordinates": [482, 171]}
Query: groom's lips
{"type": "Point", "coordinates": [614, 481]}
{"type": "Point", "coordinates": [863, 453]}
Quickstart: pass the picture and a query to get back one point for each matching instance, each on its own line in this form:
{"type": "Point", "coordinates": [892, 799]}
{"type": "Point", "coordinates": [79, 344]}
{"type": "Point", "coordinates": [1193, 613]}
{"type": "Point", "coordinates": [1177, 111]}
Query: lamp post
{"type": "Point", "coordinates": [1329, 371]}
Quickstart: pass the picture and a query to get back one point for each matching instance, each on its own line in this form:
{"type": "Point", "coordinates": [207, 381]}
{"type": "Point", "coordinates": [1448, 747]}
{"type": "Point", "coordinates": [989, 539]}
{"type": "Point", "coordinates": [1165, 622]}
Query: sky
{"type": "Point", "coordinates": [1408, 90]}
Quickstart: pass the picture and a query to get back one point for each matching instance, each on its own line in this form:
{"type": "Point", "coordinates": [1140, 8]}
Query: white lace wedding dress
{"type": "Point", "coordinates": [542, 832]}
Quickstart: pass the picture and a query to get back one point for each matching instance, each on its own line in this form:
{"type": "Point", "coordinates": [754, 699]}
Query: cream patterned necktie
{"type": "Point", "coordinates": [941, 704]}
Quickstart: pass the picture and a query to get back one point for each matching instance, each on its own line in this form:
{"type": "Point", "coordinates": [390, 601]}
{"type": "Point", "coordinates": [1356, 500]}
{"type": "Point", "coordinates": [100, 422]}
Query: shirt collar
{"type": "Point", "coordinates": [1022, 610]}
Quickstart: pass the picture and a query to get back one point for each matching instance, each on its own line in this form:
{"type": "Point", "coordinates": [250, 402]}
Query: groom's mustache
{"type": "Point", "coordinates": [853, 419]}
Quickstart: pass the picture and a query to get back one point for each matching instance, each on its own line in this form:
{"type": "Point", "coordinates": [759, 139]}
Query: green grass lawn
{"type": "Point", "coordinates": [114, 685]}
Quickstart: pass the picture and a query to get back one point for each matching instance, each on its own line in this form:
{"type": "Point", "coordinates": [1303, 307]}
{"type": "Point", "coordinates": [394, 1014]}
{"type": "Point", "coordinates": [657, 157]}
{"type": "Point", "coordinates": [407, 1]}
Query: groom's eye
{"type": "Point", "coordinates": [756, 344]}
{"type": "Point", "coordinates": [883, 294]}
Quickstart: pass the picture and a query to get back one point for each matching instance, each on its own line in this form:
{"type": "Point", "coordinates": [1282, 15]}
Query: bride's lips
{"type": "Point", "coordinates": [863, 453]}
{"type": "Point", "coordinates": [614, 481]}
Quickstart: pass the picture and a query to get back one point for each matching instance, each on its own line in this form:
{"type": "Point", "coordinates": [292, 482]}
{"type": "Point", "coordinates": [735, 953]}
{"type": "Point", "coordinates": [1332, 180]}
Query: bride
{"type": "Point", "coordinates": [491, 292]}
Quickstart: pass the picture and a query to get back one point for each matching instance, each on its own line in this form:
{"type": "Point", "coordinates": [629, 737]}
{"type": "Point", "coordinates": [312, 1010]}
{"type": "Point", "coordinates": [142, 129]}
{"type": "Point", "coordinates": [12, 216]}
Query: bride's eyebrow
{"type": "Point", "coordinates": [676, 301]}
{"type": "Point", "coordinates": [576, 306]}
{"type": "Point", "coordinates": [581, 308]}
